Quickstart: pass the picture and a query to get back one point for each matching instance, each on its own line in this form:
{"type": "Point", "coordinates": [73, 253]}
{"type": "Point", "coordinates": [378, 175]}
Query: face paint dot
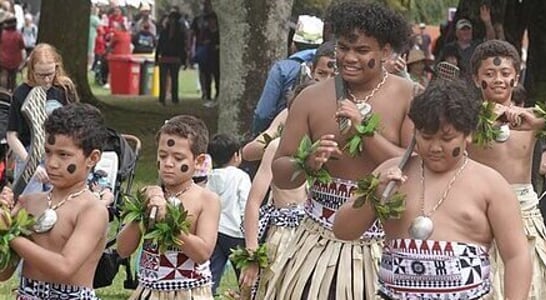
{"type": "Point", "coordinates": [184, 168]}
{"type": "Point", "coordinates": [371, 63]}
{"type": "Point", "coordinates": [71, 168]}
{"type": "Point", "coordinates": [484, 85]}
{"type": "Point", "coordinates": [496, 61]}
{"type": "Point", "coordinates": [51, 139]}
{"type": "Point", "coordinates": [456, 152]}
{"type": "Point", "coordinates": [512, 82]}
{"type": "Point", "coordinates": [158, 165]}
{"type": "Point", "coordinates": [170, 143]}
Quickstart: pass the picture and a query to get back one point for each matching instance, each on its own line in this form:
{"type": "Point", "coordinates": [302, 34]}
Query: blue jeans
{"type": "Point", "coordinates": [220, 256]}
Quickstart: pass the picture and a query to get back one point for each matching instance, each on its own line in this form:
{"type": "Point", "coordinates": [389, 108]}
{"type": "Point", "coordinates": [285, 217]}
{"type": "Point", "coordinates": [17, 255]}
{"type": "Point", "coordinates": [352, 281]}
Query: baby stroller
{"type": "Point", "coordinates": [101, 70]}
{"type": "Point", "coordinates": [115, 171]}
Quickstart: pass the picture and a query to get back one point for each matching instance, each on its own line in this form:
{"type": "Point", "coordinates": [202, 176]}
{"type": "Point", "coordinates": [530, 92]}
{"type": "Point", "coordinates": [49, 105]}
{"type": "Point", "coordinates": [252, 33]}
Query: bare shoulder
{"type": "Point", "coordinates": [207, 197]}
{"type": "Point", "coordinates": [486, 177]}
{"type": "Point", "coordinates": [402, 87]}
{"type": "Point", "coordinates": [389, 163]}
{"type": "Point", "coordinates": [92, 205]}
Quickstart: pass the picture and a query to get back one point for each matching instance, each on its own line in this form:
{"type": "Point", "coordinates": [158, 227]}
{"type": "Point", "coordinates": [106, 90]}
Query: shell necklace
{"type": "Point", "coordinates": [375, 89]}
{"type": "Point", "coordinates": [174, 198]}
{"type": "Point", "coordinates": [48, 218]}
{"type": "Point", "coordinates": [421, 227]}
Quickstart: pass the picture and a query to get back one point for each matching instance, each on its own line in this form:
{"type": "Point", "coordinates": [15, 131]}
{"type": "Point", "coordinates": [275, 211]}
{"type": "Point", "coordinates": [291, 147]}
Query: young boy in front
{"type": "Point", "coordinates": [59, 261]}
{"type": "Point", "coordinates": [454, 208]}
{"type": "Point", "coordinates": [178, 273]}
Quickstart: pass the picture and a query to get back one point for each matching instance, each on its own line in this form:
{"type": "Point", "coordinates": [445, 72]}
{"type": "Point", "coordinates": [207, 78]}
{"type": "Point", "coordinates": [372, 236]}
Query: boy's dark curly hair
{"type": "Point", "coordinates": [222, 147]}
{"type": "Point", "coordinates": [375, 20]}
{"type": "Point", "coordinates": [81, 122]}
{"type": "Point", "coordinates": [445, 102]}
{"type": "Point", "coordinates": [188, 127]}
{"type": "Point", "coordinates": [494, 48]}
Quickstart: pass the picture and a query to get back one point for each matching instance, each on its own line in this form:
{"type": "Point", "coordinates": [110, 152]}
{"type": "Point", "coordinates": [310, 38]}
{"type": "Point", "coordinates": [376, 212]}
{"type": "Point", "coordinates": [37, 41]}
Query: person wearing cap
{"type": "Point", "coordinates": [284, 74]}
{"type": "Point", "coordinates": [146, 17]}
{"type": "Point", "coordinates": [466, 43]}
{"type": "Point", "coordinates": [417, 63]}
{"type": "Point", "coordinates": [425, 40]}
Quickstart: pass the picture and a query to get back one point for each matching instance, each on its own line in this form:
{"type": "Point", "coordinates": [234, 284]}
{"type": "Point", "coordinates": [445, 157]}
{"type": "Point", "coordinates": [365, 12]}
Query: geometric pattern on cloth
{"type": "Point", "coordinates": [171, 271]}
{"type": "Point", "coordinates": [324, 200]}
{"type": "Point", "coordinates": [38, 290]}
{"type": "Point", "coordinates": [429, 269]}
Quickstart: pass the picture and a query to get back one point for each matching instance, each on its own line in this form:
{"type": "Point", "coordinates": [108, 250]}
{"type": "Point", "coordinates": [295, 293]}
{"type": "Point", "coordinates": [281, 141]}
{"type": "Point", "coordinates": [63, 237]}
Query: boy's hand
{"type": "Point", "coordinates": [156, 197]}
{"type": "Point", "coordinates": [393, 173]}
{"type": "Point", "coordinates": [520, 118]}
{"type": "Point", "coordinates": [348, 109]}
{"type": "Point", "coordinates": [41, 174]}
{"type": "Point", "coordinates": [249, 275]}
{"type": "Point", "coordinates": [6, 198]}
{"type": "Point", "coordinates": [327, 148]}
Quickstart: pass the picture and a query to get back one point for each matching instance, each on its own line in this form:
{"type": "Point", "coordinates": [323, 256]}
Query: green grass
{"type": "Point", "coordinates": [142, 116]}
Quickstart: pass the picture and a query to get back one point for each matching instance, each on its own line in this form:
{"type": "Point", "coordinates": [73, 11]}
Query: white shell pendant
{"type": "Point", "coordinates": [365, 109]}
{"type": "Point", "coordinates": [421, 228]}
{"type": "Point", "coordinates": [174, 201]}
{"type": "Point", "coordinates": [46, 221]}
{"type": "Point", "coordinates": [504, 133]}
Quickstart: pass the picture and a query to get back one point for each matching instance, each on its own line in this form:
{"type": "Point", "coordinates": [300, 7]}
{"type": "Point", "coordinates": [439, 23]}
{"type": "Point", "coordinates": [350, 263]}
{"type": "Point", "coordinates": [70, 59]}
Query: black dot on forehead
{"type": "Point", "coordinates": [170, 142]}
{"type": "Point", "coordinates": [484, 85]}
{"type": "Point", "coordinates": [497, 61]}
{"type": "Point", "coordinates": [371, 63]}
{"type": "Point", "coordinates": [184, 168]}
{"type": "Point", "coordinates": [71, 168]}
{"type": "Point", "coordinates": [51, 139]}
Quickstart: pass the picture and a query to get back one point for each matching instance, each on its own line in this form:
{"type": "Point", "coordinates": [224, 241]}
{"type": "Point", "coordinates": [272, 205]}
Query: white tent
{"type": "Point", "coordinates": [133, 3]}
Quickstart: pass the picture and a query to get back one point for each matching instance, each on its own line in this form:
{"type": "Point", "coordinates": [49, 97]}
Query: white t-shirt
{"type": "Point", "coordinates": [232, 185]}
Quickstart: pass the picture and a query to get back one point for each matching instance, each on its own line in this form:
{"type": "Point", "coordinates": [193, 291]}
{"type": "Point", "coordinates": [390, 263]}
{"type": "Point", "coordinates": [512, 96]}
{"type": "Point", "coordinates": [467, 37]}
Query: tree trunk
{"type": "Point", "coordinates": [536, 59]}
{"type": "Point", "coordinates": [253, 35]}
{"type": "Point", "coordinates": [65, 25]}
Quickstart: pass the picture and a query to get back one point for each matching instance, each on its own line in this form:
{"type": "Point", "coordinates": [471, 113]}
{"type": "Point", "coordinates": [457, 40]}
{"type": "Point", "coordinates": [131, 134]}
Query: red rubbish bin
{"type": "Point", "coordinates": [124, 74]}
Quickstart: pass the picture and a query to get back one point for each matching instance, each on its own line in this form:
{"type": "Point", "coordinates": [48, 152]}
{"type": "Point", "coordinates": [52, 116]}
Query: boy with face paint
{"type": "Point", "coordinates": [181, 273]}
{"type": "Point", "coordinates": [316, 265]}
{"type": "Point", "coordinates": [468, 205]}
{"type": "Point", "coordinates": [495, 67]}
{"type": "Point", "coordinates": [60, 258]}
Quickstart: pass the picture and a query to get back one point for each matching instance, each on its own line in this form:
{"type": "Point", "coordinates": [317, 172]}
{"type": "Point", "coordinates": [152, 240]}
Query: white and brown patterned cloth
{"type": "Point", "coordinates": [430, 270]}
{"type": "Point", "coordinates": [30, 289]}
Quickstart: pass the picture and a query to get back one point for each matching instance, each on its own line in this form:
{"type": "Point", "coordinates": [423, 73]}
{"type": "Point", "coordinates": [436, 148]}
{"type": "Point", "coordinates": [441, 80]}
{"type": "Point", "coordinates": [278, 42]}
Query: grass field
{"type": "Point", "coordinates": [142, 116]}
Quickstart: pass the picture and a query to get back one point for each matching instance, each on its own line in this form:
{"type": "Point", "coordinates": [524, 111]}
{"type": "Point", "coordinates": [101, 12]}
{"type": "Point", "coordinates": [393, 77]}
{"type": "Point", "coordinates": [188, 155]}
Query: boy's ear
{"type": "Point", "coordinates": [386, 52]}
{"type": "Point", "coordinates": [200, 159]}
{"type": "Point", "coordinates": [93, 158]}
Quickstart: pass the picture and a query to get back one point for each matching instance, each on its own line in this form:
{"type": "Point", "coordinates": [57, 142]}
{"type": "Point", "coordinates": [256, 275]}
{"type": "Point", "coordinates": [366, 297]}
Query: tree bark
{"type": "Point", "coordinates": [65, 25]}
{"type": "Point", "coordinates": [253, 35]}
{"type": "Point", "coordinates": [536, 58]}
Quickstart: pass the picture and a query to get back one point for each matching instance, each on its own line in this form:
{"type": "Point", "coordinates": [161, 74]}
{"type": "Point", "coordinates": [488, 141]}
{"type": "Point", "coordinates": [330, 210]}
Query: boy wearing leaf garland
{"type": "Point", "coordinates": [437, 248]}
{"type": "Point", "coordinates": [61, 255]}
{"type": "Point", "coordinates": [495, 68]}
{"type": "Point", "coordinates": [176, 251]}
{"type": "Point", "coordinates": [316, 265]}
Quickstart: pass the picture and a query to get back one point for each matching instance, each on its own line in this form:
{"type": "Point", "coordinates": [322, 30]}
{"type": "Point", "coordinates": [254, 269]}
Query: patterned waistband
{"type": "Point", "coordinates": [417, 269]}
{"type": "Point", "coordinates": [30, 289]}
{"type": "Point", "coordinates": [526, 195]}
{"type": "Point", "coordinates": [290, 216]}
{"type": "Point", "coordinates": [325, 199]}
{"type": "Point", "coordinates": [175, 285]}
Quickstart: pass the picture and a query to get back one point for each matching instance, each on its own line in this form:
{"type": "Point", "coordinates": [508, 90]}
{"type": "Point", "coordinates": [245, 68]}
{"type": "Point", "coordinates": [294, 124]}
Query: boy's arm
{"type": "Point", "coordinates": [351, 222]}
{"type": "Point", "coordinates": [128, 239]}
{"type": "Point", "coordinates": [199, 246]}
{"type": "Point", "coordinates": [256, 148]}
{"type": "Point", "coordinates": [504, 216]}
{"type": "Point", "coordinates": [89, 230]}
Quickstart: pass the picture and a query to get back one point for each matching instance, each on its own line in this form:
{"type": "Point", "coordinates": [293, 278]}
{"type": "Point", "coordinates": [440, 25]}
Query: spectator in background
{"type": "Point", "coordinates": [203, 29]}
{"type": "Point", "coordinates": [11, 55]}
{"type": "Point", "coordinates": [121, 40]}
{"type": "Point", "coordinates": [30, 34]}
{"type": "Point", "coordinates": [417, 64]}
{"type": "Point", "coordinates": [144, 40]}
{"type": "Point", "coordinates": [146, 17]}
{"type": "Point", "coordinates": [94, 23]}
{"type": "Point", "coordinates": [424, 40]}
{"type": "Point", "coordinates": [232, 185]}
{"type": "Point", "coordinates": [466, 44]}
{"type": "Point", "coordinates": [170, 54]}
